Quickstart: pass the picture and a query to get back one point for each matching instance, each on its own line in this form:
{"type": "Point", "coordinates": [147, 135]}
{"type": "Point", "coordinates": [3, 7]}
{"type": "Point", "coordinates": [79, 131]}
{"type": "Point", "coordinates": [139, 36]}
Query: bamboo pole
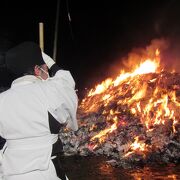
{"type": "Point", "coordinates": [41, 36]}
{"type": "Point", "coordinates": [56, 31]}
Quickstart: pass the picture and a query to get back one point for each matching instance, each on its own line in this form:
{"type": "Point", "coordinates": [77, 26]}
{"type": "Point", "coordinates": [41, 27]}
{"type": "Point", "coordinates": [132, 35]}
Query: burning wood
{"type": "Point", "coordinates": [132, 119]}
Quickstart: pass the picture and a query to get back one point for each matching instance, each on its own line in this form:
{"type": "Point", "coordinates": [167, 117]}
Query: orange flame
{"type": "Point", "coordinates": [101, 87]}
{"type": "Point", "coordinates": [154, 105]}
{"type": "Point", "coordinates": [101, 135]}
{"type": "Point", "coordinates": [136, 146]}
{"type": "Point", "coordinates": [147, 66]}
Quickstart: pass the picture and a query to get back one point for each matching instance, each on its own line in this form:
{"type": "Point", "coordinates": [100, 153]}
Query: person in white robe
{"type": "Point", "coordinates": [25, 111]}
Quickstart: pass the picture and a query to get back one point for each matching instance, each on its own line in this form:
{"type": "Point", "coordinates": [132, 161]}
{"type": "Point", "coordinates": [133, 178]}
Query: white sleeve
{"type": "Point", "coordinates": [62, 98]}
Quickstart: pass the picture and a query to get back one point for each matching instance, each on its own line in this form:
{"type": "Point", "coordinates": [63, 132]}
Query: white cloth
{"type": "Point", "coordinates": [48, 174]}
{"type": "Point", "coordinates": [24, 123]}
{"type": "Point", "coordinates": [48, 60]}
{"type": "Point", "coordinates": [1, 171]}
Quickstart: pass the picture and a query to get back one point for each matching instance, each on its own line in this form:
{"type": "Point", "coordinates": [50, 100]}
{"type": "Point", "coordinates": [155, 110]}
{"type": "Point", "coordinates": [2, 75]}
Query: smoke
{"type": "Point", "coordinates": [138, 55]}
{"type": "Point", "coordinates": [169, 56]}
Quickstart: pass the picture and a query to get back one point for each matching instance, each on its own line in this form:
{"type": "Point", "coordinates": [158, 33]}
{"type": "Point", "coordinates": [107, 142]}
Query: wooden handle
{"type": "Point", "coordinates": [41, 36]}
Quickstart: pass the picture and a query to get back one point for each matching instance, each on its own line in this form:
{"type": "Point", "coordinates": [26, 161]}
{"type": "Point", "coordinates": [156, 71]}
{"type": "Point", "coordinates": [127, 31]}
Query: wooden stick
{"type": "Point", "coordinates": [56, 31]}
{"type": "Point", "coordinates": [41, 36]}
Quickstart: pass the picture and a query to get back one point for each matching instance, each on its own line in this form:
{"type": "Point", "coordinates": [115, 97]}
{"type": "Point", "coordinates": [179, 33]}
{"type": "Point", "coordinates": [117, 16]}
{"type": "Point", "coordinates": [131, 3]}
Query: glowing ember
{"type": "Point", "coordinates": [101, 135]}
{"type": "Point", "coordinates": [136, 146]}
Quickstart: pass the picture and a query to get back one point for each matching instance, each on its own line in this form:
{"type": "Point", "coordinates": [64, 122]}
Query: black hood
{"type": "Point", "coordinates": [23, 57]}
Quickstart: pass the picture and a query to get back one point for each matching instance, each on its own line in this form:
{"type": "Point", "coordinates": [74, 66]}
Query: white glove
{"type": "Point", "coordinates": [48, 60]}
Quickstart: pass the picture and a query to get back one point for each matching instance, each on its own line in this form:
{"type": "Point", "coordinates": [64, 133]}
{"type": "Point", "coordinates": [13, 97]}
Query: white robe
{"type": "Point", "coordinates": [25, 126]}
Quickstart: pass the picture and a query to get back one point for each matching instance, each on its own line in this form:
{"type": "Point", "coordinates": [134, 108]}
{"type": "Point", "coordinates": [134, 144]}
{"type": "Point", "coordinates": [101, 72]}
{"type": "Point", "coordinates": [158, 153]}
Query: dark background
{"type": "Point", "coordinates": [100, 34]}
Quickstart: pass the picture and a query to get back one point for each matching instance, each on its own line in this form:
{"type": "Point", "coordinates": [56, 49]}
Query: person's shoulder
{"type": "Point", "coordinates": [3, 92]}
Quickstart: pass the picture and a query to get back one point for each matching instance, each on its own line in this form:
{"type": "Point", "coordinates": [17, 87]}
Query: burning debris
{"type": "Point", "coordinates": [133, 119]}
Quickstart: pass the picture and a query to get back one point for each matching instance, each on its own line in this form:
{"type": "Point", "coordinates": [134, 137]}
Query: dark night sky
{"type": "Point", "coordinates": [100, 33]}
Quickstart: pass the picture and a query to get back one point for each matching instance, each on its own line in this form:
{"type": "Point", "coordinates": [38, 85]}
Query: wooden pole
{"type": "Point", "coordinates": [41, 36]}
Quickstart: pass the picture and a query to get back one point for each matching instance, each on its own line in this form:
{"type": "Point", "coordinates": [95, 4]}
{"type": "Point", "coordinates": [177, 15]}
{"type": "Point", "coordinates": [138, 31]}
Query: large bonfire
{"type": "Point", "coordinates": [133, 118]}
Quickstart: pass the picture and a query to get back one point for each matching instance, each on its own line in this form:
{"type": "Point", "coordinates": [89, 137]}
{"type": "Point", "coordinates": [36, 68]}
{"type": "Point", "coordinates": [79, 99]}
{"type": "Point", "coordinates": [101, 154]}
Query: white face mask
{"type": "Point", "coordinates": [45, 73]}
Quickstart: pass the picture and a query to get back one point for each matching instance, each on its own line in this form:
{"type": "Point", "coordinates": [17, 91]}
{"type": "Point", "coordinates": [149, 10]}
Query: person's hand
{"type": "Point", "coordinates": [48, 60]}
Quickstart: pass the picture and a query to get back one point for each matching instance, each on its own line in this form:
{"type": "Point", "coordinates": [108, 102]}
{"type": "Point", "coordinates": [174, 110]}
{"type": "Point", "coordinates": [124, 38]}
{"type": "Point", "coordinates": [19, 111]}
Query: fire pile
{"type": "Point", "coordinates": [133, 119]}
